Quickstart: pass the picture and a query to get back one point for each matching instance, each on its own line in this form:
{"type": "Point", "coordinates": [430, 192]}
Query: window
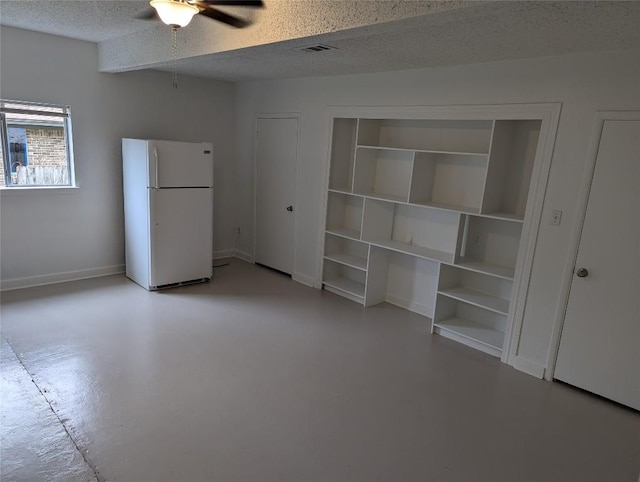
{"type": "Point", "coordinates": [36, 145]}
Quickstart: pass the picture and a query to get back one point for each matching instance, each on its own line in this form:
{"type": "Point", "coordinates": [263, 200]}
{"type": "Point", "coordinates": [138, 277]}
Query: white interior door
{"type": "Point", "coordinates": [276, 156]}
{"type": "Point", "coordinates": [600, 343]}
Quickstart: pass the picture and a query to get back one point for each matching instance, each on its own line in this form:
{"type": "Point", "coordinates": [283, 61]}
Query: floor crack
{"type": "Point", "coordinates": [85, 457]}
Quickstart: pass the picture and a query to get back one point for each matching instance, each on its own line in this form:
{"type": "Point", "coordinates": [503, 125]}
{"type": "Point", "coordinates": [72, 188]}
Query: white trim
{"type": "Point", "coordinates": [529, 367]}
{"type": "Point", "coordinates": [530, 230]}
{"type": "Point", "coordinates": [63, 277]}
{"type": "Point", "coordinates": [227, 253]}
{"type": "Point", "coordinates": [304, 279]}
{"type": "Point", "coordinates": [325, 199]}
{"type": "Point", "coordinates": [280, 115]}
{"type": "Point", "coordinates": [243, 255]}
{"type": "Point", "coordinates": [344, 294]}
{"type": "Point", "coordinates": [486, 112]}
{"type": "Point", "coordinates": [467, 341]}
{"type": "Point", "coordinates": [38, 190]}
{"type": "Point", "coordinates": [548, 114]}
{"type": "Point", "coordinates": [576, 231]}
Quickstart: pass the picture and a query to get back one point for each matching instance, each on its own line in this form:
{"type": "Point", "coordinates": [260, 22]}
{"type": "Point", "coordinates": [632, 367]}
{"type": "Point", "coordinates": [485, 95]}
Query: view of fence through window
{"type": "Point", "coordinates": [35, 147]}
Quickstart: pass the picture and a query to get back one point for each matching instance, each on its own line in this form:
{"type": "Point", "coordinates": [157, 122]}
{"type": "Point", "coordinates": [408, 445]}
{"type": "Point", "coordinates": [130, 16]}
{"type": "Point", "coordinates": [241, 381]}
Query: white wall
{"type": "Point", "coordinates": [44, 234]}
{"type": "Point", "coordinates": [583, 83]}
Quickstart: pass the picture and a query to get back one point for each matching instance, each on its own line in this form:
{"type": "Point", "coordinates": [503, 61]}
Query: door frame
{"type": "Point", "coordinates": [278, 115]}
{"type": "Point", "coordinates": [576, 231]}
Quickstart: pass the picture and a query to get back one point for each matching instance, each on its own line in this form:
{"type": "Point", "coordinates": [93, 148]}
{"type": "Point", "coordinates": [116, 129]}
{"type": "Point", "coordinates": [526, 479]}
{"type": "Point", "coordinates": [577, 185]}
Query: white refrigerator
{"type": "Point", "coordinates": [168, 212]}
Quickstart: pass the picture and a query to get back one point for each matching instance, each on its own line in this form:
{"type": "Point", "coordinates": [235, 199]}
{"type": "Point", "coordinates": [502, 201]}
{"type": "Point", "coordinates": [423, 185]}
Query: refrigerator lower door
{"type": "Point", "coordinates": [181, 235]}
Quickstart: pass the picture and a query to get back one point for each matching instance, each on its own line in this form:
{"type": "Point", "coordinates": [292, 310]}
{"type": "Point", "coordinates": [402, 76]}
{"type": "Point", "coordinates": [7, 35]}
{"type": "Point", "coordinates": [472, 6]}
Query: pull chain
{"type": "Point", "coordinates": [174, 56]}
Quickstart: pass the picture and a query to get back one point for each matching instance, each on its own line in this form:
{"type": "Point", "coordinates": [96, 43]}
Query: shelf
{"type": "Point", "coordinates": [485, 268]}
{"type": "Point", "coordinates": [347, 259]}
{"type": "Point", "coordinates": [473, 331]}
{"type": "Point", "coordinates": [414, 250]}
{"type": "Point", "coordinates": [479, 299]}
{"type": "Point", "coordinates": [348, 286]}
{"type": "Point", "coordinates": [428, 151]}
{"type": "Point", "coordinates": [447, 207]}
{"type": "Point", "coordinates": [342, 191]}
{"type": "Point", "coordinates": [502, 217]}
{"type": "Point", "coordinates": [345, 233]}
{"type": "Point", "coordinates": [384, 197]}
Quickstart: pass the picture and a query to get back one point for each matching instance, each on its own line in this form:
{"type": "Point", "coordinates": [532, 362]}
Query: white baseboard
{"type": "Point", "coordinates": [48, 279]}
{"type": "Point", "coordinates": [344, 294]}
{"type": "Point", "coordinates": [223, 254]}
{"type": "Point", "coordinates": [304, 279]}
{"type": "Point", "coordinates": [529, 367]}
{"type": "Point", "coordinates": [411, 306]}
{"type": "Point", "coordinates": [242, 255]}
{"type": "Point", "coordinates": [465, 340]}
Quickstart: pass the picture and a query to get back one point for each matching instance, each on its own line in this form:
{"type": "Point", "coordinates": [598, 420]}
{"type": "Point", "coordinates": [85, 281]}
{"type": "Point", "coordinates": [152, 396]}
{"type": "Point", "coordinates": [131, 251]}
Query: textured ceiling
{"type": "Point", "coordinates": [370, 35]}
{"type": "Point", "coordinates": [93, 21]}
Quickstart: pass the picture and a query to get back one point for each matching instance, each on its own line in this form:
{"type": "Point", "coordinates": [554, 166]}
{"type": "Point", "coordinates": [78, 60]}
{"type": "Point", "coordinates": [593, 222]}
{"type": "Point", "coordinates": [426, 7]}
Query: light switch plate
{"type": "Point", "coordinates": [556, 217]}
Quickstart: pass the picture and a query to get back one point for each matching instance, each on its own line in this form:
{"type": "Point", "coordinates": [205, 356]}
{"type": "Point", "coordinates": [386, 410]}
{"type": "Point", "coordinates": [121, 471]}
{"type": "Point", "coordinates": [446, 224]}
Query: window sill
{"type": "Point", "coordinates": [31, 190]}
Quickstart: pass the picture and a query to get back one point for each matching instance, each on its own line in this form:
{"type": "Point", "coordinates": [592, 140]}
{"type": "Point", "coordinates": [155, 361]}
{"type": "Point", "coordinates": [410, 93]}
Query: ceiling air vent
{"type": "Point", "coordinates": [316, 48]}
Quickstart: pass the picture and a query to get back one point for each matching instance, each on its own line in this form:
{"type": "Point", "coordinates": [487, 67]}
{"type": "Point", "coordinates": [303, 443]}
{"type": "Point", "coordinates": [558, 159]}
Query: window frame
{"type": "Point", "coordinates": [64, 114]}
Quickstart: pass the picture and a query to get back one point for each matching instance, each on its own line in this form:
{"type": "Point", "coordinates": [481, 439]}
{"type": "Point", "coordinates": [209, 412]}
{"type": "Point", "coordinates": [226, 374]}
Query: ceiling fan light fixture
{"type": "Point", "coordinates": [174, 12]}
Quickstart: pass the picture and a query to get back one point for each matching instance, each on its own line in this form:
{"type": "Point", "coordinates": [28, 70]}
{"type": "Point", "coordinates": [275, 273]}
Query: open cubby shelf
{"type": "Point", "coordinates": [486, 268]}
{"type": "Point", "coordinates": [344, 278]}
{"type": "Point", "coordinates": [383, 173]}
{"type": "Point", "coordinates": [348, 260]}
{"type": "Point", "coordinates": [473, 331]}
{"type": "Point", "coordinates": [478, 298]}
{"type": "Point", "coordinates": [348, 252]}
{"type": "Point", "coordinates": [428, 214]}
{"type": "Point", "coordinates": [347, 285]}
{"type": "Point", "coordinates": [344, 215]}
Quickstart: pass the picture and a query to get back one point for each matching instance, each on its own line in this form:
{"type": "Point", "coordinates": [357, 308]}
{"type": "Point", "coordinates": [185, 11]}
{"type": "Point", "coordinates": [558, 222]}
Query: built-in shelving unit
{"type": "Point", "coordinates": [428, 215]}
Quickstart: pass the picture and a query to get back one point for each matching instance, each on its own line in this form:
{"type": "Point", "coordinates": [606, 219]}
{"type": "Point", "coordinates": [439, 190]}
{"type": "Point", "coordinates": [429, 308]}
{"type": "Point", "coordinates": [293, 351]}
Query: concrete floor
{"type": "Point", "coordinates": [253, 377]}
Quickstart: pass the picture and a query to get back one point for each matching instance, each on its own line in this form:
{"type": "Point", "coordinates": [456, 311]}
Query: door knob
{"type": "Point", "coordinates": [582, 273]}
{"type": "Point", "coordinates": [289, 208]}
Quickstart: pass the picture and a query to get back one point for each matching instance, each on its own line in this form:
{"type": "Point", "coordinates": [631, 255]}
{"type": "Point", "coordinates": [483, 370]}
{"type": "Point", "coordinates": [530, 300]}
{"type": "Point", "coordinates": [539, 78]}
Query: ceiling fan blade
{"type": "Point", "coordinates": [236, 3]}
{"type": "Point", "coordinates": [148, 14]}
{"type": "Point", "coordinates": [224, 17]}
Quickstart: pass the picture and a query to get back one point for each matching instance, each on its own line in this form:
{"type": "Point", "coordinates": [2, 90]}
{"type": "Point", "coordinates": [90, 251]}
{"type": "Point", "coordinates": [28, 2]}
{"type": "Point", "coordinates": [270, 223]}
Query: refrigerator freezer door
{"type": "Point", "coordinates": [181, 235]}
{"type": "Point", "coordinates": [180, 164]}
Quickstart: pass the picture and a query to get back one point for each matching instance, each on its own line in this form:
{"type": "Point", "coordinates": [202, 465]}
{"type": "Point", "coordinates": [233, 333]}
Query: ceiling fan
{"type": "Point", "coordinates": [178, 13]}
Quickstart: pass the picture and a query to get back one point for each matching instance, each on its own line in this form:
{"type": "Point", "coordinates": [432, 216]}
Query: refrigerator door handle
{"type": "Point", "coordinates": [155, 154]}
